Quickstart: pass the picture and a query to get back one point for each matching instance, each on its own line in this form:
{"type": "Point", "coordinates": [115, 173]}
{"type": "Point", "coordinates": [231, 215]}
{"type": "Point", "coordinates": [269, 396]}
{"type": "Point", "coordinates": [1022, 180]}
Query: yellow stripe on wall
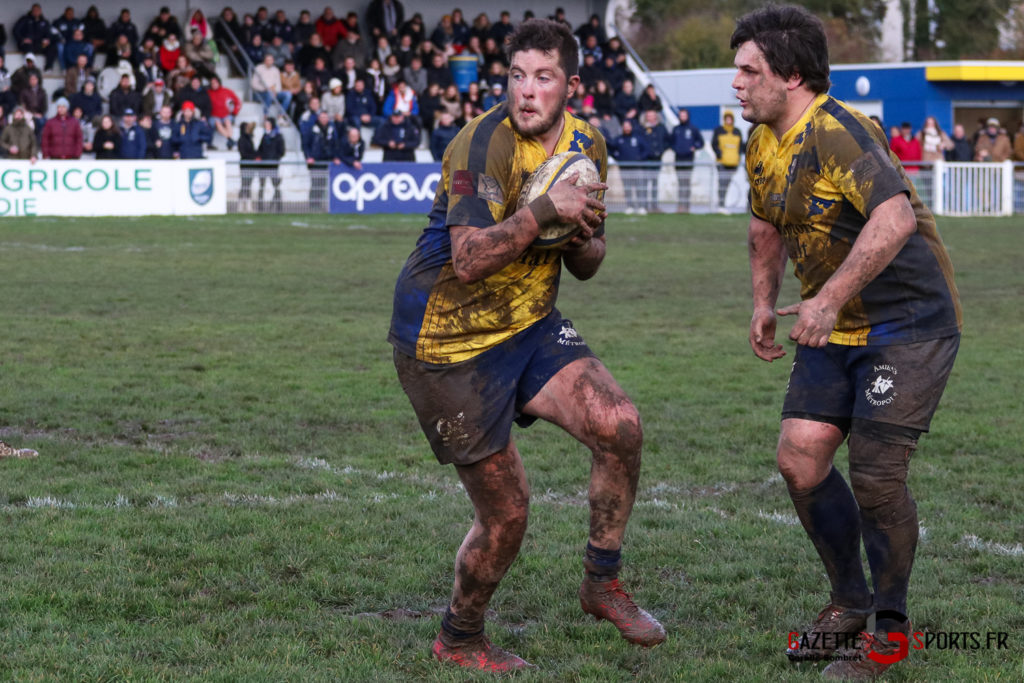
{"type": "Point", "coordinates": [974, 72]}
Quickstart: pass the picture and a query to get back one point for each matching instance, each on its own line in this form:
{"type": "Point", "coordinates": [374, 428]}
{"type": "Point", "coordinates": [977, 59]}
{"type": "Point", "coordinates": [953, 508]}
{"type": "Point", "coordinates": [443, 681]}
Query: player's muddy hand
{"type": "Point", "coordinates": [574, 204]}
{"type": "Point", "coordinates": [815, 321]}
{"type": "Point", "coordinates": [762, 336]}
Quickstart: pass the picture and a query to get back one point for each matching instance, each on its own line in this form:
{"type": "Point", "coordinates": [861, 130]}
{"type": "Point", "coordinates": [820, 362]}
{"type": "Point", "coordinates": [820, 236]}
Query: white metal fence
{"type": "Point", "coordinates": [949, 189]}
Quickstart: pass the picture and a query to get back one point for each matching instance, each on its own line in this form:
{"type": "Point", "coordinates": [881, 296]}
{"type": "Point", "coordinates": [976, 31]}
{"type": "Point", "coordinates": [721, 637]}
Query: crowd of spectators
{"type": "Point", "coordinates": [990, 141]}
{"type": "Point", "coordinates": [156, 94]}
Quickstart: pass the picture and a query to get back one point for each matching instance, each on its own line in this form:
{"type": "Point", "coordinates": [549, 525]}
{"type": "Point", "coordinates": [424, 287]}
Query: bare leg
{"type": "Point", "coordinates": [585, 400]}
{"type": "Point", "coordinates": [500, 495]}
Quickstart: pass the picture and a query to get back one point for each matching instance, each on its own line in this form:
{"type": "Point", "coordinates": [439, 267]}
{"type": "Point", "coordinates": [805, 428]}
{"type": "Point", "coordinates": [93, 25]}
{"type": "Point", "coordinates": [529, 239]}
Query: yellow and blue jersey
{"type": "Point", "coordinates": [818, 185]}
{"type": "Point", "coordinates": [438, 319]}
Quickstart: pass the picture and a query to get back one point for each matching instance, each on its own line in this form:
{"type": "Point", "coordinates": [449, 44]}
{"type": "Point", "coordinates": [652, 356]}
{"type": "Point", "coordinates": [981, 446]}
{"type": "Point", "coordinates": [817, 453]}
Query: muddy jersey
{"type": "Point", "coordinates": [818, 185]}
{"type": "Point", "coordinates": [437, 318]}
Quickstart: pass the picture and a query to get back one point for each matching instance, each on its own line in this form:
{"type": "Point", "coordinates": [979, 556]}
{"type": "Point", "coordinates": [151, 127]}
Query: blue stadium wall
{"type": "Point", "coordinates": [903, 92]}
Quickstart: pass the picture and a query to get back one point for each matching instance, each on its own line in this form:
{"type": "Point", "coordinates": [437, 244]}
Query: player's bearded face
{"type": "Point", "coordinates": [538, 92]}
{"type": "Point", "coordinates": [761, 93]}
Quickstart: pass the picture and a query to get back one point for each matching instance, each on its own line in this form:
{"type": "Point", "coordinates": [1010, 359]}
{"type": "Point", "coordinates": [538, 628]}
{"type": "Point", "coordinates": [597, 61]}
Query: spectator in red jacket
{"type": "Point", "coordinates": [331, 28]}
{"type": "Point", "coordinates": [62, 135]}
{"type": "Point", "coordinates": [905, 146]}
{"type": "Point", "coordinates": [224, 107]}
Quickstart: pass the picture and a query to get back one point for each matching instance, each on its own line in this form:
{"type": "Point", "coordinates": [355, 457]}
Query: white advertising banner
{"type": "Point", "coordinates": [113, 188]}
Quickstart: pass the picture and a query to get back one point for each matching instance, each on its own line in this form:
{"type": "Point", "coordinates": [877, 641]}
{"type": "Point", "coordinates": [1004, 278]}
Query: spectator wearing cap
{"type": "Point", "coordinates": [993, 144]}
{"type": "Point", "coordinates": [133, 137]}
{"type": "Point", "coordinates": [123, 97]}
{"type": "Point", "coordinates": [20, 77]}
{"type": "Point", "coordinates": [398, 137]}
{"type": "Point", "coordinates": [89, 101]}
{"type": "Point", "coordinates": [32, 33]}
{"type": "Point", "coordinates": [333, 101]}
{"type": "Point", "coordinates": [496, 95]}
{"type": "Point", "coordinates": [190, 134]}
{"type": "Point", "coordinates": [163, 25]}
{"type": "Point", "coordinates": [224, 107]}
{"type": "Point", "coordinates": [266, 85]}
{"type": "Point", "coordinates": [162, 133]}
{"type": "Point", "coordinates": [62, 135]}
{"type": "Point", "coordinates": [154, 97]}
{"type": "Point", "coordinates": [77, 74]}
{"type": "Point", "coordinates": [361, 107]}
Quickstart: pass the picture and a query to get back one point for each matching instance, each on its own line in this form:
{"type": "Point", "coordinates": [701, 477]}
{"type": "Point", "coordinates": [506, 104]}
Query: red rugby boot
{"type": "Point", "coordinates": [480, 654]}
{"type": "Point", "coordinates": [607, 600]}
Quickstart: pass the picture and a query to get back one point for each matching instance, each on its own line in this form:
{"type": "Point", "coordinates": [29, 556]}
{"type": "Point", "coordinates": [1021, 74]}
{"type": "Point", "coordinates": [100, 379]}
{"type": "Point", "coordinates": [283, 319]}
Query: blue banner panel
{"type": "Point", "coordinates": [400, 187]}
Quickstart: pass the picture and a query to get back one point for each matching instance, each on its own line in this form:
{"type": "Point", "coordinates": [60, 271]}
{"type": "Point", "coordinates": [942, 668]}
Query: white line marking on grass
{"type": "Point", "coordinates": [975, 543]}
{"type": "Point", "coordinates": [49, 502]}
{"type": "Point", "coordinates": [779, 518]}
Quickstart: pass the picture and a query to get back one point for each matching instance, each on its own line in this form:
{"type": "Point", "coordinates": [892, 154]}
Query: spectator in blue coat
{"type": "Point", "coordinates": [190, 133]}
{"type": "Point", "coordinates": [686, 138]}
{"type": "Point", "coordinates": [444, 132]}
{"type": "Point", "coordinates": [88, 100]}
{"type": "Point", "coordinates": [321, 144]}
{"type": "Point", "coordinates": [361, 107]}
{"type": "Point", "coordinates": [629, 147]}
{"type": "Point", "coordinates": [352, 149]}
{"type": "Point", "coordinates": [32, 33]}
{"type": "Point", "coordinates": [398, 137]}
{"type": "Point", "coordinates": [656, 133]}
{"type": "Point", "coordinates": [161, 135]}
{"type": "Point", "coordinates": [133, 137]}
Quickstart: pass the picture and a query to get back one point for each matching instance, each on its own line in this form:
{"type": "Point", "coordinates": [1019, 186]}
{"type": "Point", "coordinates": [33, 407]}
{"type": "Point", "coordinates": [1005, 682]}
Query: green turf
{"type": "Point", "coordinates": [233, 487]}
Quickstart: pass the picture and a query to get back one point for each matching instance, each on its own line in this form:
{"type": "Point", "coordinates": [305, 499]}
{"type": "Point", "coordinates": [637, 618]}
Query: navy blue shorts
{"type": "Point", "coordinates": [897, 385]}
{"type": "Point", "coordinates": [467, 409]}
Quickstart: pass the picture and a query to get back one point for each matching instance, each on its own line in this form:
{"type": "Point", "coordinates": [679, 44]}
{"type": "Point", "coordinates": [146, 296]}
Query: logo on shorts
{"type": "Point", "coordinates": [453, 429]}
{"type": "Point", "coordinates": [568, 336]}
{"type": "Point", "coordinates": [881, 391]}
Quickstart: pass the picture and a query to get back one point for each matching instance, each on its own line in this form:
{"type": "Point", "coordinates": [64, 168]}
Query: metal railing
{"type": "Point", "coordinates": [968, 189]}
{"type": "Point", "coordinates": [248, 70]}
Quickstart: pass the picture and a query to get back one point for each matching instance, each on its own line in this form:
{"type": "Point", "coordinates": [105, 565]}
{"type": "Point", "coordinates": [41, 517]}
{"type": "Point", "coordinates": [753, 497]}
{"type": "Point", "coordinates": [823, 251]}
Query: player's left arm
{"type": "Point", "coordinates": [584, 253]}
{"type": "Point", "coordinates": [888, 228]}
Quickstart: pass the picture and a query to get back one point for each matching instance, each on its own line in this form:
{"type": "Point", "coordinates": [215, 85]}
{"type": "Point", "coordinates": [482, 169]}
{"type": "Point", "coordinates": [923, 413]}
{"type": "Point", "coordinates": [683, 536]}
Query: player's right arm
{"type": "Point", "coordinates": [478, 253]}
{"type": "Point", "coordinates": [767, 268]}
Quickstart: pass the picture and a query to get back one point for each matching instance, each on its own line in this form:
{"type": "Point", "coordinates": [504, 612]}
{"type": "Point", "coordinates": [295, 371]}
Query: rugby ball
{"type": "Point", "coordinates": [554, 169]}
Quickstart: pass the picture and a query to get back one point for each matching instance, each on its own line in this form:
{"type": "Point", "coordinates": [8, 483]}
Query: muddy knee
{"type": "Point", "coordinates": [879, 464]}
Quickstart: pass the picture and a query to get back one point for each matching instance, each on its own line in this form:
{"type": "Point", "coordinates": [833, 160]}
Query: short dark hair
{"type": "Point", "coordinates": [793, 42]}
{"type": "Point", "coordinates": [547, 36]}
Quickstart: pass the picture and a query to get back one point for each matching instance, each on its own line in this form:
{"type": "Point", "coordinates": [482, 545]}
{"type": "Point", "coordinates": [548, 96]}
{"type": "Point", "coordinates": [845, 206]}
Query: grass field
{"type": "Point", "coordinates": [233, 487]}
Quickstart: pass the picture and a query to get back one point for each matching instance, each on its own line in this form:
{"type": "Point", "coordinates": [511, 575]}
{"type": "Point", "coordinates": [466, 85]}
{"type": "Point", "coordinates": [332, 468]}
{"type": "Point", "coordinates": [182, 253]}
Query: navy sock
{"type": "Point", "coordinates": [602, 564]}
{"type": "Point", "coordinates": [831, 518]}
{"type": "Point", "coordinates": [452, 634]}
